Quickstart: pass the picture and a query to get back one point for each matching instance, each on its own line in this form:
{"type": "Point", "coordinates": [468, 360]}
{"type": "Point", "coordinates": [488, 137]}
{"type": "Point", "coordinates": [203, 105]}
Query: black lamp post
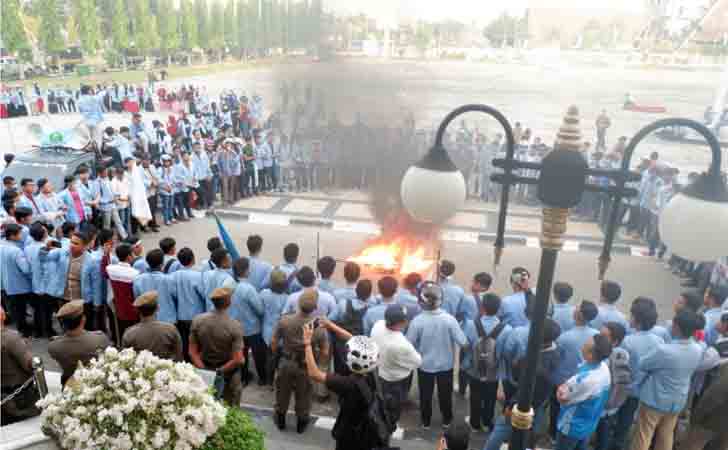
{"type": "Point", "coordinates": [561, 184]}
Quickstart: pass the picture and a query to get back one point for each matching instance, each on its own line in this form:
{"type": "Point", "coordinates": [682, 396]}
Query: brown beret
{"type": "Point", "coordinates": [147, 299]}
{"type": "Point", "coordinates": [71, 310]}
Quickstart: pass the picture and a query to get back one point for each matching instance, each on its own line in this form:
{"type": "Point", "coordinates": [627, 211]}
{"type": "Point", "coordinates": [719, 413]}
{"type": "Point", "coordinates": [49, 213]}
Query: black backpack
{"type": "Point", "coordinates": [377, 427]}
{"type": "Point", "coordinates": [353, 320]}
{"type": "Point", "coordinates": [485, 362]}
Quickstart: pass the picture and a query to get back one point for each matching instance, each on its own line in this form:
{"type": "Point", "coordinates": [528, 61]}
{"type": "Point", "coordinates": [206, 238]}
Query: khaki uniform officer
{"type": "Point", "coordinates": [216, 343]}
{"type": "Point", "coordinates": [16, 369]}
{"type": "Point", "coordinates": [160, 338]}
{"type": "Point", "coordinates": [76, 345]}
{"type": "Point", "coordinates": [292, 376]}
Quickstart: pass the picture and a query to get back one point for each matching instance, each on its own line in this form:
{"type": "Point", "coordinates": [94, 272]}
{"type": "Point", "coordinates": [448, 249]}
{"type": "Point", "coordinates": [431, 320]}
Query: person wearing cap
{"type": "Point", "coordinates": [156, 280]}
{"type": "Point", "coordinates": [160, 338]}
{"type": "Point", "coordinates": [436, 335]}
{"type": "Point", "coordinates": [397, 358]}
{"type": "Point", "coordinates": [17, 367]}
{"type": "Point", "coordinates": [216, 343]}
{"type": "Point", "coordinates": [16, 275]}
{"type": "Point", "coordinates": [513, 307]}
{"type": "Point", "coordinates": [76, 345]}
{"type": "Point", "coordinates": [292, 377]}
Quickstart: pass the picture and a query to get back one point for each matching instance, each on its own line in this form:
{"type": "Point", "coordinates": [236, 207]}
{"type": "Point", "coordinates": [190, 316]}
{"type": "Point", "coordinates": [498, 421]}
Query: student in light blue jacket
{"type": "Point", "coordinates": [483, 392]}
{"type": "Point", "coordinates": [187, 293]}
{"type": "Point", "coordinates": [453, 295]}
{"type": "Point", "coordinates": [61, 281]}
{"type": "Point", "coordinates": [259, 269]}
{"type": "Point", "coordinates": [16, 279]}
{"type": "Point", "coordinates": [387, 287]}
{"type": "Point", "coordinates": [42, 315]}
{"type": "Point", "coordinates": [273, 300]}
{"type": "Point", "coordinates": [326, 267]}
{"type": "Point", "coordinates": [219, 276]}
{"type": "Point", "coordinates": [638, 344]}
{"type": "Point", "coordinates": [437, 336]}
{"type": "Point", "coordinates": [156, 280]}
{"type": "Point", "coordinates": [100, 289]}
{"type": "Point", "coordinates": [247, 308]}
{"type": "Point", "coordinates": [663, 383]}
{"type": "Point", "coordinates": [610, 292]}
{"type": "Point", "coordinates": [563, 312]}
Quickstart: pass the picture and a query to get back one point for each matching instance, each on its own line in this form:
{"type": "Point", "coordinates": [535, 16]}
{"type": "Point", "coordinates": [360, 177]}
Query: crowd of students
{"type": "Point", "coordinates": [600, 369]}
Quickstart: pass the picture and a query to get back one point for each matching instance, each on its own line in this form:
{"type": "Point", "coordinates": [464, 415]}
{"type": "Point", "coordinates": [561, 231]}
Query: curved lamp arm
{"type": "Point", "coordinates": [708, 187]}
{"type": "Point", "coordinates": [510, 150]}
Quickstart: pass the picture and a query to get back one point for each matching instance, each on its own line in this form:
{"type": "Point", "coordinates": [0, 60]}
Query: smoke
{"type": "Point", "coordinates": [372, 116]}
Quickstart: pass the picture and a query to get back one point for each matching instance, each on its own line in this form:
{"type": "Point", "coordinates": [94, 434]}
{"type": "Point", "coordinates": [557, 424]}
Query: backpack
{"type": "Point", "coordinates": [169, 265]}
{"type": "Point", "coordinates": [376, 428]}
{"type": "Point", "coordinates": [353, 320]}
{"type": "Point", "coordinates": [485, 362]}
{"type": "Point", "coordinates": [621, 374]}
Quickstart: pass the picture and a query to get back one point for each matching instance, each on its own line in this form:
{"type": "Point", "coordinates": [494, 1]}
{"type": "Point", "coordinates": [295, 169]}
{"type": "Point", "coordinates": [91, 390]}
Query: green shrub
{"type": "Point", "coordinates": [238, 433]}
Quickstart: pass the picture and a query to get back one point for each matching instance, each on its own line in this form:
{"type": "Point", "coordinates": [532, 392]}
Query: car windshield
{"type": "Point", "coordinates": [36, 170]}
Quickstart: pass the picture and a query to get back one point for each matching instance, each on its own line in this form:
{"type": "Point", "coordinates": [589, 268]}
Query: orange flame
{"type": "Point", "coordinates": [397, 255]}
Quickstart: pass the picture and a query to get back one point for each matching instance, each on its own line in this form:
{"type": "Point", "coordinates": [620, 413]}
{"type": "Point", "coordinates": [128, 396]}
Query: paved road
{"type": "Point", "coordinates": [639, 276]}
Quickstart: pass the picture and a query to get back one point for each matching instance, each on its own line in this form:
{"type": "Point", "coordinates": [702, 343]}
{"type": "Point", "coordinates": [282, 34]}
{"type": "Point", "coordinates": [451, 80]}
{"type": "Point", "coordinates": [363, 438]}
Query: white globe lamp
{"type": "Point", "coordinates": [433, 189]}
{"type": "Point", "coordinates": [694, 224]}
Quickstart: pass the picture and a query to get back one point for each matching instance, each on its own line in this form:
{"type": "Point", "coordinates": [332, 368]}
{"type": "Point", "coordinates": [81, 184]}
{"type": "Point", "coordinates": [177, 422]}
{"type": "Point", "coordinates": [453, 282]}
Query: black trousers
{"type": "Point", "coordinates": [426, 382]}
{"type": "Point", "coordinates": [183, 326]}
{"type": "Point", "coordinates": [256, 344]}
{"type": "Point", "coordinates": [153, 208]}
{"type": "Point", "coordinates": [482, 402]}
{"type": "Point", "coordinates": [18, 309]}
{"type": "Point", "coordinates": [394, 393]}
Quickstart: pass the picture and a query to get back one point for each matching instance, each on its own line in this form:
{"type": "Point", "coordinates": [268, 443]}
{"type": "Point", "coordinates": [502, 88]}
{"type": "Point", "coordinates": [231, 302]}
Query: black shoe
{"type": "Point", "coordinates": [302, 424]}
{"type": "Point", "coordinates": [280, 420]}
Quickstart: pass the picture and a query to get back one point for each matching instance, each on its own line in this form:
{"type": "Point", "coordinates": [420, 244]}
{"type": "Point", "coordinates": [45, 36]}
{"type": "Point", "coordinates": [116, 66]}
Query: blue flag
{"type": "Point", "coordinates": [227, 240]}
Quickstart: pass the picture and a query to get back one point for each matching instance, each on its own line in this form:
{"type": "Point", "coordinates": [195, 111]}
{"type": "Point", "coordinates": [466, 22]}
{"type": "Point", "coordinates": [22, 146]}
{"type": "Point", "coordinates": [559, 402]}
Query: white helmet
{"type": "Point", "coordinates": [362, 354]}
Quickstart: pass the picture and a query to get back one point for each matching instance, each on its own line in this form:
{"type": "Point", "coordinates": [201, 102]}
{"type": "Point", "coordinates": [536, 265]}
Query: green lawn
{"type": "Point", "coordinates": [140, 76]}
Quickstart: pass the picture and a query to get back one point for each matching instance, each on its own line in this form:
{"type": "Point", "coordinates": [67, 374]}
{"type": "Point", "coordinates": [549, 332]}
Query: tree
{"type": "Point", "coordinates": [202, 14]}
{"type": "Point", "coordinates": [120, 27]}
{"type": "Point", "coordinates": [230, 24]}
{"type": "Point", "coordinates": [50, 38]}
{"type": "Point", "coordinates": [242, 26]}
{"type": "Point", "coordinates": [217, 26]}
{"type": "Point", "coordinates": [501, 30]}
{"type": "Point", "coordinates": [255, 29]}
{"type": "Point", "coordinates": [168, 28]}
{"type": "Point", "coordinates": [188, 25]}
{"type": "Point", "coordinates": [145, 37]}
{"type": "Point", "coordinates": [88, 26]}
{"type": "Point", "coordinates": [12, 31]}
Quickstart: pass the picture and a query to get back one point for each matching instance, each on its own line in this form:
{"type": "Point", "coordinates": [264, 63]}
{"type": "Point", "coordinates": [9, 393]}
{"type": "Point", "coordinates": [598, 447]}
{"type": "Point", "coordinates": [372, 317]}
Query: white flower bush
{"type": "Point", "coordinates": [124, 400]}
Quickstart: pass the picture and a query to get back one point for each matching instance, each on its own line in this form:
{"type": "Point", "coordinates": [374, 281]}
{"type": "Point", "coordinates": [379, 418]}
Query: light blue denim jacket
{"type": "Point", "coordinates": [273, 305]}
{"type": "Point", "coordinates": [436, 336]}
{"type": "Point", "coordinates": [186, 289]}
{"type": "Point", "coordinates": [665, 374]}
{"type": "Point", "coordinates": [160, 282]}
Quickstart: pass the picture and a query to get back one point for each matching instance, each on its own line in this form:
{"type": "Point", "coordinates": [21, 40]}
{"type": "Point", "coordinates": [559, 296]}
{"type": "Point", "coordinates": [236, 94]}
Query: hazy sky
{"type": "Point", "coordinates": [465, 10]}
